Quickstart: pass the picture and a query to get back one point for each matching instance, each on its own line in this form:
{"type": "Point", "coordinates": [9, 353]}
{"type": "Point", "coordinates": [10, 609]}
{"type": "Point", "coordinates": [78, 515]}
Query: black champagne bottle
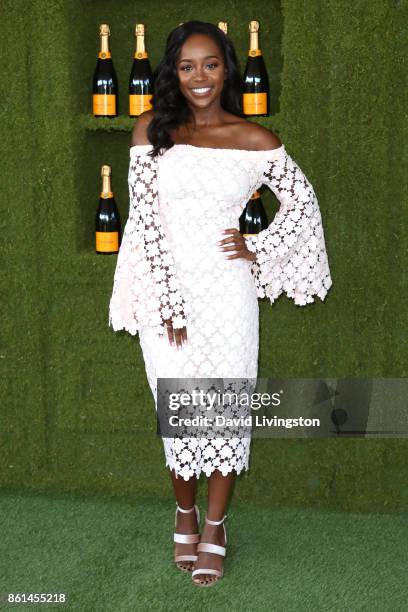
{"type": "Point", "coordinates": [105, 82]}
{"type": "Point", "coordinates": [107, 218]}
{"type": "Point", "coordinates": [253, 218]}
{"type": "Point", "coordinates": [256, 82]}
{"type": "Point", "coordinates": [141, 77]}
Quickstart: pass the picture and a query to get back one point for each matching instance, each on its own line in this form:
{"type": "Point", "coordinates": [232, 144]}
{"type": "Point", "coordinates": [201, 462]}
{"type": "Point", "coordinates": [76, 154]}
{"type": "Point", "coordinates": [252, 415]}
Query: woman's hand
{"type": "Point", "coordinates": [177, 336]}
{"type": "Point", "coordinates": [236, 243]}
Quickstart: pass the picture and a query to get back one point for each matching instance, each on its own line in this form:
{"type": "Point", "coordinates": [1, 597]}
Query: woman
{"type": "Point", "coordinates": [186, 280]}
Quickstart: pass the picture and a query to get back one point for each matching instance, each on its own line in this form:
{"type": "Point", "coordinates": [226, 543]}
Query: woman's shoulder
{"type": "Point", "coordinates": [250, 135]}
{"type": "Point", "coordinates": [239, 132]}
{"type": "Point", "coordinates": [139, 130]}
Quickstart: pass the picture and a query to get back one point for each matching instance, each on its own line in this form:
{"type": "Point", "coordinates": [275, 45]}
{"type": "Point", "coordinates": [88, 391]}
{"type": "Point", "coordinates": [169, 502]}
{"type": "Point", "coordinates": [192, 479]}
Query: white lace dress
{"type": "Point", "coordinates": [169, 266]}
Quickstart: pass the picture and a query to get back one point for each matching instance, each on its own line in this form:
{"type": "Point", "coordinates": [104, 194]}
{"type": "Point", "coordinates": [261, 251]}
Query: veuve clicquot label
{"type": "Point", "coordinates": [107, 242]}
{"type": "Point", "coordinates": [256, 82]}
{"type": "Point", "coordinates": [105, 82]}
{"type": "Point", "coordinates": [107, 218]}
{"type": "Point", "coordinates": [253, 218]}
{"type": "Point", "coordinates": [141, 77]}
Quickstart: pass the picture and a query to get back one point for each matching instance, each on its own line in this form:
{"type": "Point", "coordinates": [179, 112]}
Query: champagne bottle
{"type": "Point", "coordinates": [223, 25]}
{"type": "Point", "coordinates": [141, 77]}
{"type": "Point", "coordinates": [256, 83]}
{"type": "Point", "coordinates": [107, 217]}
{"type": "Point", "coordinates": [253, 218]}
{"type": "Point", "coordinates": [105, 82]}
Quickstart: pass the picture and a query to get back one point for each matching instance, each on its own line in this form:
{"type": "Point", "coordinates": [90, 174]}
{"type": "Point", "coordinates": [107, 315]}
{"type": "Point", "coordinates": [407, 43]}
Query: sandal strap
{"type": "Point", "coordinates": [211, 548]}
{"type": "Point", "coordinates": [186, 511]}
{"type": "Point", "coordinates": [187, 538]}
{"type": "Point", "coordinates": [207, 520]}
{"type": "Point", "coordinates": [214, 572]}
{"type": "Point", "coordinates": [185, 558]}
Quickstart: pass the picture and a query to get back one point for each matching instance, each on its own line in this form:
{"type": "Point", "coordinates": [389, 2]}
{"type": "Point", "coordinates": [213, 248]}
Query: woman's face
{"type": "Point", "coordinates": [201, 70]}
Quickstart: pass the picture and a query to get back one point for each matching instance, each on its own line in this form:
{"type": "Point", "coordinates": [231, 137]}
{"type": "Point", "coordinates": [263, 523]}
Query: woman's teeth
{"type": "Point", "coordinates": [201, 90]}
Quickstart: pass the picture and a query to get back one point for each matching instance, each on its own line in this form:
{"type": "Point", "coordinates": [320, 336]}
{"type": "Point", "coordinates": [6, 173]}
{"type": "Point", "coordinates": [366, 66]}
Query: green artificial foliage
{"type": "Point", "coordinates": [77, 414]}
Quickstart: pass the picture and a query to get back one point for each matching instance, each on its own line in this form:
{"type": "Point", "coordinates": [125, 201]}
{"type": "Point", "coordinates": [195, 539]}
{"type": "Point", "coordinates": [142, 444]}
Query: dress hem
{"type": "Point", "coordinates": [198, 471]}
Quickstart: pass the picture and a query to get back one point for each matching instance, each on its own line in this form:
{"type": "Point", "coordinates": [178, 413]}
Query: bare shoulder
{"type": "Point", "coordinates": [258, 138]}
{"type": "Point", "coordinates": [139, 131]}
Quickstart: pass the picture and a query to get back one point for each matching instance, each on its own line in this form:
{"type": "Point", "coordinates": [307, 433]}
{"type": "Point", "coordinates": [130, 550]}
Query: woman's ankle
{"type": "Point", "coordinates": [187, 523]}
{"type": "Point", "coordinates": [214, 534]}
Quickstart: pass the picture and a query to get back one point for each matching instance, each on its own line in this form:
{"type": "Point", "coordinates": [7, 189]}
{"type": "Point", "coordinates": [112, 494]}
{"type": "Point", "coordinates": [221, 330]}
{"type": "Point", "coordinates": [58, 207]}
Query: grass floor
{"type": "Point", "coordinates": [115, 555]}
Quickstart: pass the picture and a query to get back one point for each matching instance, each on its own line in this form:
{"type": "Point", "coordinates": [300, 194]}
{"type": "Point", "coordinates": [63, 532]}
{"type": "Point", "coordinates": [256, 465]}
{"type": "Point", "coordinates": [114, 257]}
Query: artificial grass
{"type": "Point", "coordinates": [110, 555]}
{"type": "Point", "coordinates": [75, 403]}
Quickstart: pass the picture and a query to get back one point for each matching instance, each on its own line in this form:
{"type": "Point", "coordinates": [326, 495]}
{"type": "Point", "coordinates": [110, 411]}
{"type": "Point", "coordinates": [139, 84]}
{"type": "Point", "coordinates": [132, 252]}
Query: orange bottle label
{"type": "Point", "coordinates": [141, 55]}
{"type": "Point", "coordinates": [104, 104]}
{"type": "Point", "coordinates": [106, 195]}
{"type": "Point", "coordinates": [255, 103]}
{"type": "Point", "coordinates": [104, 54]}
{"type": "Point", "coordinates": [254, 52]}
{"type": "Point", "coordinates": [138, 103]}
{"type": "Point", "coordinates": [107, 241]}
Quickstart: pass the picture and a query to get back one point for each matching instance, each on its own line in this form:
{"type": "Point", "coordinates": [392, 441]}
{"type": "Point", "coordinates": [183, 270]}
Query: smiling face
{"type": "Point", "coordinates": [201, 71]}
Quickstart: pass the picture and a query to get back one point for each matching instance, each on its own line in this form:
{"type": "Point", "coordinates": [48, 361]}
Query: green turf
{"type": "Point", "coordinates": [117, 556]}
{"type": "Point", "coordinates": [76, 412]}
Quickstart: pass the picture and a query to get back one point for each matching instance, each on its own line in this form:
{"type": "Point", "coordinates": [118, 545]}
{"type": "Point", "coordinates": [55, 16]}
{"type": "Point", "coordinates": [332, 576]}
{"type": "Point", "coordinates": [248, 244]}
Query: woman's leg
{"type": "Point", "coordinates": [219, 491]}
{"type": "Point", "coordinates": [185, 492]}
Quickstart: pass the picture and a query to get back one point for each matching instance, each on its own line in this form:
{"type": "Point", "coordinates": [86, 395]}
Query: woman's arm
{"type": "Point", "coordinates": [146, 289]}
{"type": "Point", "coordinates": [291, 252]}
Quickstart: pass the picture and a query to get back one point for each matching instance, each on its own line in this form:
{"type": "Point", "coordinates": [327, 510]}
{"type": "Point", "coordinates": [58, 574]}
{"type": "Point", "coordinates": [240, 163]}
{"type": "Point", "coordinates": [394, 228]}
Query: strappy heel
{"type": "Point", "coordinates": [186, 538]}
{"type": "Point", "coordinates": [214, 549]}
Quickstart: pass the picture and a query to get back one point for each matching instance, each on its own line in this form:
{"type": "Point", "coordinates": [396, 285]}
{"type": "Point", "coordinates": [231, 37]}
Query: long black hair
{"type": "Point", "coordinates": [170, 107]}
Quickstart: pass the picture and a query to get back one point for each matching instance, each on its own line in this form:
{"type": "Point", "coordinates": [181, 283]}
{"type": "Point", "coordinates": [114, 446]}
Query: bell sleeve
{"type": "Point", "coordinates": [146, 291]}
{"type": "Point", "coordinates": [291, 255]}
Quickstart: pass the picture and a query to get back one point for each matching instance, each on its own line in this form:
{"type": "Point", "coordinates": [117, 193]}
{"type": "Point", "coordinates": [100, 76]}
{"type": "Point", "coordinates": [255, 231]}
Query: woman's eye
{"type": "Point", "coordinates": [187, 67]}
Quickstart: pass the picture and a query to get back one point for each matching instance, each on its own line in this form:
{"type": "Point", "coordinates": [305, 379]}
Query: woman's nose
{"type": "Point", "coordinates": [200, 72]}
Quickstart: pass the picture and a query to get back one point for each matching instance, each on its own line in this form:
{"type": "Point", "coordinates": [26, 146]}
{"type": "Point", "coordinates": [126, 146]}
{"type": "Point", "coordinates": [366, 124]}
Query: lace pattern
{"type": "Point", "coordinates": [201, 192]}
{"type": "Point", "coordinates": [291, 253]}
{"type": "Point", "coordinates": [146, 290]}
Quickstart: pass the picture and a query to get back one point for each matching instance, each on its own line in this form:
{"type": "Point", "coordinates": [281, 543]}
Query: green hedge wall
{"type": "Point", "coordinates": [76, 410]}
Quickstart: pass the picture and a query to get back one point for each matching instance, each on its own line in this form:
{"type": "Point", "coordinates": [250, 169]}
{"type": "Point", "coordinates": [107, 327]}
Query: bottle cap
{"type": "Point", "coordinates": [104, 30]}
{"type": "Point", "coordinates": [223, 25]}
{"type": "Point", "coordinates": [106, 170]}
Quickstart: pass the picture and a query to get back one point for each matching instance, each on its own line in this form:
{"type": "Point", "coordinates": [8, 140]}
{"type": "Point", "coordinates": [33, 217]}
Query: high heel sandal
{"type": "Point", "coordinates": [186, 538]}
{"type": "Point", "coordinates": [214, 549]}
